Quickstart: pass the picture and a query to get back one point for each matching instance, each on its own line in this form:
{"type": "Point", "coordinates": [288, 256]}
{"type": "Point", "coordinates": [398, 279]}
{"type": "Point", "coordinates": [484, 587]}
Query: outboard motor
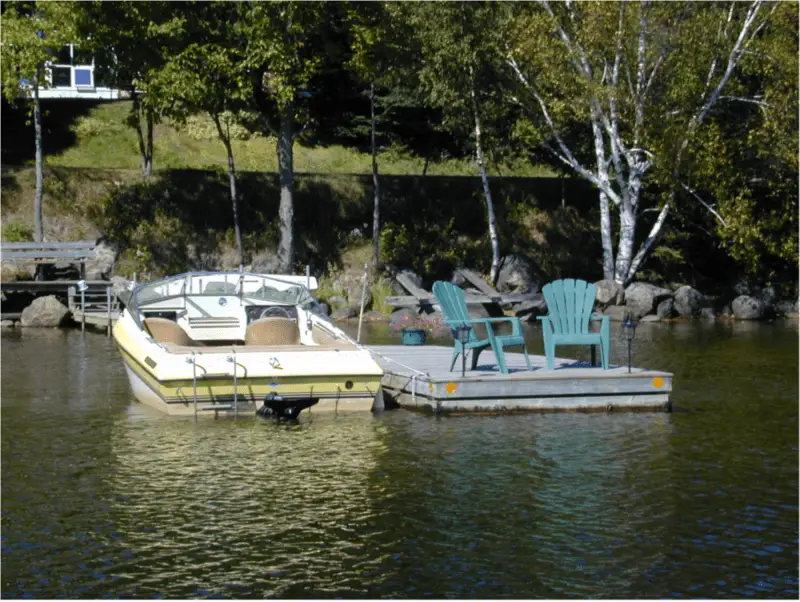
{"type": "Point", "coordinates": [279, 408]}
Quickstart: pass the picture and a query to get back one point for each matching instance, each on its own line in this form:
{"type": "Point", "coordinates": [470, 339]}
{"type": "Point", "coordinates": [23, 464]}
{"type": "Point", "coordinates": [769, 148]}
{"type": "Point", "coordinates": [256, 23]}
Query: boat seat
{"type": "Point", "coordinates": [167, 331]}
{"type": "Point", "coordinates": [272, 331]}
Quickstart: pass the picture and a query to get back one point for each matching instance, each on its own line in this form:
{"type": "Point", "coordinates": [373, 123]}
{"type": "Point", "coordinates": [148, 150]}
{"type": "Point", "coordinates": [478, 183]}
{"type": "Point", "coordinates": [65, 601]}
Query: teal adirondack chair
{"type": "Point", "coordinates": [454, 306]}
{"type": "Point", "coordinates": [569, 310]}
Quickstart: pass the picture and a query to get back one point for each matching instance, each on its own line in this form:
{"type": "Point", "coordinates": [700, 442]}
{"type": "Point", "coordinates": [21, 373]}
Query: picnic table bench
{"type": "Point", "coordinates": [48, 253]}
{"type": "Point", "coordinates": [484, 294]}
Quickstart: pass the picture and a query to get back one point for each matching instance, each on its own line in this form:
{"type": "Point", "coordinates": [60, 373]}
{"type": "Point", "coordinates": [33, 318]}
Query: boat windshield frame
{"type": "Point", "coordinates": [272, 289]}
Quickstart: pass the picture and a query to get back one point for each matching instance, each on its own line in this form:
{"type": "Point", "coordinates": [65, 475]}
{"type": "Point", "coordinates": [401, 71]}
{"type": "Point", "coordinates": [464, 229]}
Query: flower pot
{"type": "Point", "coordinates": [413, 336]}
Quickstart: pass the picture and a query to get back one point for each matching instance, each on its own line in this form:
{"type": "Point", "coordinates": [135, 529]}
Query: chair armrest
{"type": "Point", "coordinates": [482, 320]}
{"type": "Point", "coordinates": [546, 320]}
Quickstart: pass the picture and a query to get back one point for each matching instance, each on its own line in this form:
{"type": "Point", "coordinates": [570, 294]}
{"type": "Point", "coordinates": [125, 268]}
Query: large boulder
{"type": "Point", "coordinates": [337, 301]}
{"type": "Point", "coordinates": [372, 316]}
{"type": "Point", "coordinates": [354, 290]}
{"type": "Point", "coordinates": [609, 292]}
{"type": "Point", "coordinates": [349, 287]}
{"type": "Point", "coordinates": [769, 298]}
{"type": "Point", "coordinates": [787, 309]}
{"type": "Point", "coordinates": [44, 312]}
{"type": "Point", "coordinates": [688, 302]}
{"type": "Point", "coordinates": [617, 313]}
{"type": "Point", "coordinates": [402, 317]}
{"type": "Point", "coordinates": [708, 313]}
{"type": "Point", "coordinates": [344, 313]}
{"type": "Point", "coordinates": [530, 309]}
{"type": "Point", "coordinates": [665, 309]}
{"type": "Point", "coordinates": [398, 288]}
{"type": "Point", "coordinates": [518, 275]}
{"type": "Point", "coordinates": [745, 307]}
{"type": "Point", "coordinates": [458, 279]}
{"type": "Point", "coordinates": [264, 261]}
{"type": "Point", "coordinates": [101, 265]}
{"type": "Point", "coordinates": [121, 287]}
{"type": "Point", "coordinates": [641, 298]}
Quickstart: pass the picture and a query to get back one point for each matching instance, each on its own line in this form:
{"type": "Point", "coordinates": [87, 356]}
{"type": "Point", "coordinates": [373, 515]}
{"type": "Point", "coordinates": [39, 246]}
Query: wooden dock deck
{"type": "Point", "coordinates": [417, 377]}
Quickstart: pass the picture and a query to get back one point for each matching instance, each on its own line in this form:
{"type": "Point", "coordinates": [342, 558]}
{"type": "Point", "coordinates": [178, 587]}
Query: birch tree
{"type": "Point", "coordinates": [458, 73]}
{"type": "Point", "coordinates": [643, 79]}
{"type": "Point", "coordinates": [31, 33]}
{"type": "Point", "coordinates": [204, 76]}
{"type": "Point", "coordinates": [377, 44]}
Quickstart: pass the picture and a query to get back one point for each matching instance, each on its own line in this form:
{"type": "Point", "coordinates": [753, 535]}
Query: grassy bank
{"type": "Point", "coordinates": [182, 219]}
{"type": "Point", "coordinates": [84, 135]}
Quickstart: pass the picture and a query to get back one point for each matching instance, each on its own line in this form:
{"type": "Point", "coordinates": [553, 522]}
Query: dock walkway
{"type": "Point", "coordinates": [417, 377]}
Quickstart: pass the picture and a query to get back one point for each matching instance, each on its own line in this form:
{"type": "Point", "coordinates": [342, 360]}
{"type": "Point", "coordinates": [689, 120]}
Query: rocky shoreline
{"type": "Point", "coordinates": [645, 302]}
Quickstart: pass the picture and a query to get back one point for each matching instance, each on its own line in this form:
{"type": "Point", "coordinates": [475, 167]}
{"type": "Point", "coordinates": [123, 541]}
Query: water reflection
{"type": "Point", "coordinates": [102, 496]}
{"type": "Point", "coordinates": [248, 505]}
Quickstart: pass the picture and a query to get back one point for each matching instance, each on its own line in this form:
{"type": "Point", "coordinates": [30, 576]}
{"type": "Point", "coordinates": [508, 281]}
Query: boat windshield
{"type": "Point", "coordinates": [255, 288]}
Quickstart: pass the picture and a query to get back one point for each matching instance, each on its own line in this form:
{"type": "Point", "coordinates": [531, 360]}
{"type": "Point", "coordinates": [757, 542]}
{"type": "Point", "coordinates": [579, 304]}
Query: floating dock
{"type": "Point", "coordinates": [418, 377]}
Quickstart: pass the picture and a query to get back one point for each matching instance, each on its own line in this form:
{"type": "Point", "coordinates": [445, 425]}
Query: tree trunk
{"type": "Point", "coordinates": [488, 194]}
{"type": "Point", "coordinates": [149, 165]}
{"type": "Point", "coordinates": [627, 235]}
{"type": "Point", "coordinates": [226, 140]}
{"type": "Point", "coordinates": [37, 197]}
{"type": "Point", "coordinates": [605, 236]}
{"type": "Point", "coordinates": [145, 146]}
{"type": "Point", "coordinates": [286, 169]}
{"type": "Point", "coordinates": [376, 212]}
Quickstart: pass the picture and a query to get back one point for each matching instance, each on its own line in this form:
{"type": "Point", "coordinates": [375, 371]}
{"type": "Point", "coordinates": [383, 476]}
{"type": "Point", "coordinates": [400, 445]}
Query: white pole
{"type": "Point", "coordinates": [308, 277]}
{"type": "Point", "coordinates": [108, 309]}
{"type": "Point", "coordinates": [363, 296]}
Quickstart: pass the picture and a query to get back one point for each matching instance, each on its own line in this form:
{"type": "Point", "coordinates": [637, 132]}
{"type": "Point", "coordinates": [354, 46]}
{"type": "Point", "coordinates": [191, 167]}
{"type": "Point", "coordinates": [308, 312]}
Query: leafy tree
{"type": "Point", "coordinates": [131, 41]}
{"type": "Point", "coordinates": [459, 72]}
{"type": "Point", "coordinates": [744, 169]}
{"type": "Point", "coordinates": [32, 32]}
{"type": "Point", "coordinates": [643, 79]}
{"type": "Point", "coordinates": [204, 76]}
{"type": "Point", "coordinates": [377, 44]}
{"type": "Point", "coordinates": [282, 46]}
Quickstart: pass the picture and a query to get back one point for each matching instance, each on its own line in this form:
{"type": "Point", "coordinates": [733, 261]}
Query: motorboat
{"type": "Point", "coordinates": [239, 342]}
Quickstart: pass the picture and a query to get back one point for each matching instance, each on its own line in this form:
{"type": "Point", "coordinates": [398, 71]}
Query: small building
{"type": "Point", "coordinates": [72, 75]}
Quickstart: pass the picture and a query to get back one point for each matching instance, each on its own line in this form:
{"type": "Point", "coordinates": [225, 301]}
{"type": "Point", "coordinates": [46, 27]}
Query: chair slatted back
{"type": "Point", "coordinates": [454, 305]}
{"type": "Point", "coordinates": [570, 303]}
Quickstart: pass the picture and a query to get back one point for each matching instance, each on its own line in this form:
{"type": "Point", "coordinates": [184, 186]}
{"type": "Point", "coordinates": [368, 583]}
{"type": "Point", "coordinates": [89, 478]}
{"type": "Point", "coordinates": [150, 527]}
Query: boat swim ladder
{"type": "Point", "coordinates": [232, 358]}
{"type": "Point", "coordinates": [192, 359]}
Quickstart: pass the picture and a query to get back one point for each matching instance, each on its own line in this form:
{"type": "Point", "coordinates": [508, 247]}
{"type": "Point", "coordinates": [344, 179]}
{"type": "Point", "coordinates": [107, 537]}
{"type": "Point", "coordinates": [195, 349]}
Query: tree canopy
{"type": "Point", "coordinates": [680, 114]}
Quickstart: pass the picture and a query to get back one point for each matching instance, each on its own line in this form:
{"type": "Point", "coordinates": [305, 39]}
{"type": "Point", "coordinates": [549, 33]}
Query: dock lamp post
{"type": "Point", "coordinates": [462, 334]}
{"type": "Point", "coordinates": [629, 331]}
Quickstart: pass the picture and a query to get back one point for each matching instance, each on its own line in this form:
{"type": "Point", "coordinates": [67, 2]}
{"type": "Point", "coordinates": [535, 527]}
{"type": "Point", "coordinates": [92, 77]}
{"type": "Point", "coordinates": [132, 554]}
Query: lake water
{"type": "Point", "coordinates": [103, 497]}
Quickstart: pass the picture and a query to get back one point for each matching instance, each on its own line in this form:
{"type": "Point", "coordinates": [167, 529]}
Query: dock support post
{"type": "Point", "coordinates": [108, 310]}
{"type": "Point", "coordinates": [83, 310]}
{"type": "Point", "coordinates": [363, 295]}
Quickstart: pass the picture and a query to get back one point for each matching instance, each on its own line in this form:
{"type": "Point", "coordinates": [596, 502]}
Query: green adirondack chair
{"type": "Point", "coordinates": [569, 311]}
{"type": "Point", "coordinates": [454, 306]}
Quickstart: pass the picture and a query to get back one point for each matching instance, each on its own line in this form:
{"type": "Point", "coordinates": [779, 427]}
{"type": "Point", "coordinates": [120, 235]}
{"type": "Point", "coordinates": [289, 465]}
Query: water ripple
{"type": "Point", "coordinates": [104, 498]}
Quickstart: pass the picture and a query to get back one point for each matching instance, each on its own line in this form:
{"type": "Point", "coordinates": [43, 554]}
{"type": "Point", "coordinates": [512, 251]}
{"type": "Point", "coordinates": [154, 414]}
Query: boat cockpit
{"type": "Point", "coordinates": [232, 308]}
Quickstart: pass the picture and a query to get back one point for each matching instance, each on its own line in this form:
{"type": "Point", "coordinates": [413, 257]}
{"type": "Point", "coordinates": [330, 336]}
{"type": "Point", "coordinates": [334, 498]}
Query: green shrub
{"type": "Point", "coordinates": [17, 232]}
{"type": "Point", "coordinates": [420, 246]}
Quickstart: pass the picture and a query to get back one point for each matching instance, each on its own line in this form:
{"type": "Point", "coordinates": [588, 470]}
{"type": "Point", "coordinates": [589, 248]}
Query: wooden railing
{"type": "Point", "coordinates": [49, 252]}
